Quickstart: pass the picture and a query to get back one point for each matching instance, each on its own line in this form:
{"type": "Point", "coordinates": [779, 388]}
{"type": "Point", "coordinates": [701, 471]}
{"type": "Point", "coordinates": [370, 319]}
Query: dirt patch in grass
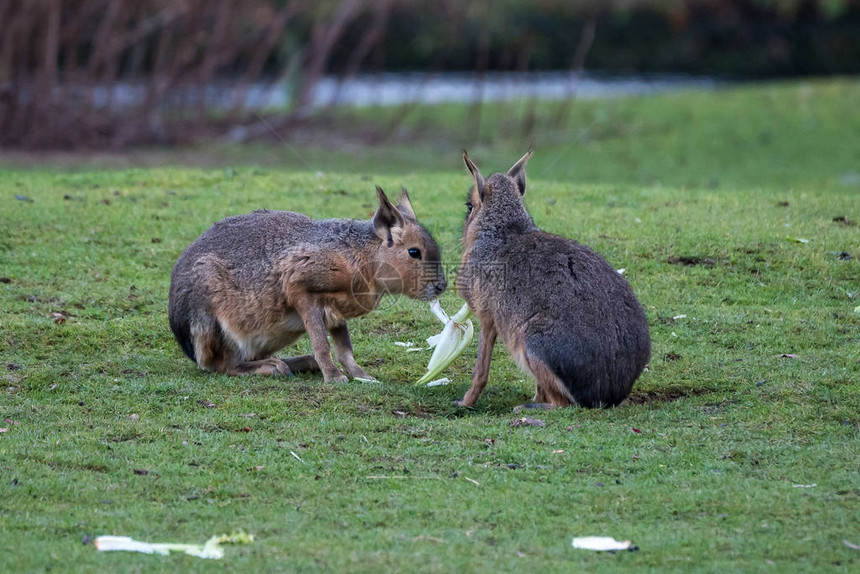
{"type": "Point", "coordinates": [413, 411]}
{"type": "Point", "coordinates": [124, 437]}
{"type": "Point", "coordinates": [663, 395]}
{"type": "Point", "coordinates": [715, 408]}
{"type": "Point", "coordinates": [67, 465]}
{"type": "Point", "coordinates": [692, 261]}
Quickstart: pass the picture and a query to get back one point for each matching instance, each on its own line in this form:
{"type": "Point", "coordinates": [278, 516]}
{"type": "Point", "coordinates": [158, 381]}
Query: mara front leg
{"type": "Point", "coordinates": [486, 341]}
{"type": "Point", "coordinates": [343, 352]}
{"type": "Point", "coordinates": [312, 317]}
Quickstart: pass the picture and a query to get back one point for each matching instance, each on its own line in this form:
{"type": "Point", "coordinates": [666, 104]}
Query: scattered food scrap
{"type": "Point", "coordinates": [439, 382]}
{"type": "Point", "coordinates": [451, 342]}
{"type": "Point", "coordinates": [211, 549]}
{"type": "Point", "coordinates": [602, 544]}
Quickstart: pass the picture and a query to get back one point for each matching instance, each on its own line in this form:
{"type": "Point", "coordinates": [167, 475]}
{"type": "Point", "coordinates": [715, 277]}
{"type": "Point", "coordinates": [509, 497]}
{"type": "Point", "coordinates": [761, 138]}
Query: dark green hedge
{"type": "Point", "coordinates": [739, 38]}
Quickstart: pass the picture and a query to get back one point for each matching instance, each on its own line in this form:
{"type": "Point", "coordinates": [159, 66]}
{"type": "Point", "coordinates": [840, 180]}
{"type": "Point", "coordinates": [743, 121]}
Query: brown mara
{"type": "Point", "coordinates": [564, 313]}
{"type": "Point", "coordinates": [253, 284]}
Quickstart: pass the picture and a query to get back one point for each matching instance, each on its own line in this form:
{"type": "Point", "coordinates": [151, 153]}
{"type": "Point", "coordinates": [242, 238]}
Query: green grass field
{"type": "Point", "coordinates": [753, 387]}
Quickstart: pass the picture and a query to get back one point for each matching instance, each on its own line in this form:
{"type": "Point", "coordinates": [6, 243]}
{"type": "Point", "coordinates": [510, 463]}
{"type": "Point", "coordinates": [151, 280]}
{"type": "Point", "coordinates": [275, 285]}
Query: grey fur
{"type": "Point", "coordinates": [554, 302]}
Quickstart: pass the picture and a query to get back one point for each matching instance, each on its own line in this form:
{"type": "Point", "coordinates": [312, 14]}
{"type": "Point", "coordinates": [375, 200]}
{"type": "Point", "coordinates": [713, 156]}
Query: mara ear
{"type": "Point", "coordinates": [518, 171]}
{"type": "Point", "coordinates": [387, 221]}
{"type": "Point", "coordinates": [404, 205]}
{"type": "Point", "coordinates": [480, 184]}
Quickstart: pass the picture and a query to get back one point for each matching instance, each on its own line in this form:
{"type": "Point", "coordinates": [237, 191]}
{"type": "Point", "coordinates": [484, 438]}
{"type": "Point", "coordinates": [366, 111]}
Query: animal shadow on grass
{"type": "Point", "coordinates": [502, 403]}
{"type": "Point", "coordinates": [663, 395]}
{"type": "Point", "coordinates": [499, 401]}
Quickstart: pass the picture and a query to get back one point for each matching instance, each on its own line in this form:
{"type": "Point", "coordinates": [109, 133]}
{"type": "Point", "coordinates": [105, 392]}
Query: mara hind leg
{"type": "Point", "coordinates": [269, 366]}
{"type": "Point", "coordinates": [274, 366]}
{"type": "Point", "coordinates": [288, 366]}
{"type": "Point", "coordinates": [221, 342]}
{"type": "Point", "coordinates": [215, 354]}
{"type": "Point", "coordinates": [550, 391]}
{"type": "Point", "coordinates": [538, 401]}
{"type": "Point", "coordinates": [211, 351]}
{"type": "Point", "coordinates": [302, 364]}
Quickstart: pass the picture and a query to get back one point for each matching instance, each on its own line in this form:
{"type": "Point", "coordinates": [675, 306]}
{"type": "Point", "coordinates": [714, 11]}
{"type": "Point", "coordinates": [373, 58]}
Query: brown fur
{"type": "Point", "coordinates": [562, 311]}
{"type": "Point", "coordinates": [253, 284]}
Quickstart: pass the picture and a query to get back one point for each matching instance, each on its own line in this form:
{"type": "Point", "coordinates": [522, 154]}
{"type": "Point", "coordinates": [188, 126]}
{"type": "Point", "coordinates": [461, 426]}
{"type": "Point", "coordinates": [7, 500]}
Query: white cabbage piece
{"type": "Point", "coordinates": [211, 550]}
{"type": "Point", "coordinates": [600, 543]}
{"type": "Point", "coordinates": [451, 342]}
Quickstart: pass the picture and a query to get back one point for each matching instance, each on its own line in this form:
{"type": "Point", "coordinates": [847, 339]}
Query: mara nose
{"type": "Point", "coordinates": [441, 284]}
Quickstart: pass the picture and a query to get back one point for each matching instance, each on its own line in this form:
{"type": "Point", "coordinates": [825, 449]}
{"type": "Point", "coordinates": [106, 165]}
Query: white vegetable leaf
{"type": "Point", "coordinates": [450, 343]}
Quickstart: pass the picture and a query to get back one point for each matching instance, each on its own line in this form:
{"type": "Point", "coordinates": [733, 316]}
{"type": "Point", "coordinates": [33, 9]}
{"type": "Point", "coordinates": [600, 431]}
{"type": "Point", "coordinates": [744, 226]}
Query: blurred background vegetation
{"type": "Point", "coordinates": [116, 73]}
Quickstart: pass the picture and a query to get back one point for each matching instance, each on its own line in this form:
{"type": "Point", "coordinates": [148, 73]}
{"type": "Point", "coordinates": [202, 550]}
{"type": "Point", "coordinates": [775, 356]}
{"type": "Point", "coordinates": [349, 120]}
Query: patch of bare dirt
{"type": "Point", "coordinates": [663, 395]}
{"type": "Point", "coordinates": [692, 261]}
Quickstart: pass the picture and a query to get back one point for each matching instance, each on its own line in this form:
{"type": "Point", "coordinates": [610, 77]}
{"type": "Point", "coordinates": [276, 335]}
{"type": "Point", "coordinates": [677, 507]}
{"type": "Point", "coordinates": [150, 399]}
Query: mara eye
{"type": "Point", "coordinates": [469, 206]}
{"type": "Point", "coordinates": [415, 253]}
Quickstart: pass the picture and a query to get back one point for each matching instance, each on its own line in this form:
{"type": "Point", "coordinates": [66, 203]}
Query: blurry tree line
{"type": "Point", "coordinates": [60, 60]}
